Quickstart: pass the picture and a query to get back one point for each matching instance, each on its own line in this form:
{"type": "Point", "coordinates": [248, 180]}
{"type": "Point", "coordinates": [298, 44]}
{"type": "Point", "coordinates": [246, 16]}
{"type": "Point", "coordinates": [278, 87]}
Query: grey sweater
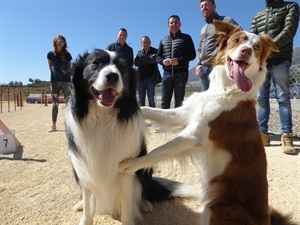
{"type": "Point", "coordinates": [208, 40]}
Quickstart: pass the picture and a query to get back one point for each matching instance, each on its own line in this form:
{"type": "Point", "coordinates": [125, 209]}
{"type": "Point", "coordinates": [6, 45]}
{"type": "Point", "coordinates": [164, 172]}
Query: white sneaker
{"type": "Point", "coordinates": [52, 129]}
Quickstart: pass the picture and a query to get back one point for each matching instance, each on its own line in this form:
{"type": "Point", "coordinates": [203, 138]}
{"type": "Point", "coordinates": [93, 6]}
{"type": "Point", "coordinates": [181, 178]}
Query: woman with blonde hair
{"type": "Point", "coordinates": [59, 61]}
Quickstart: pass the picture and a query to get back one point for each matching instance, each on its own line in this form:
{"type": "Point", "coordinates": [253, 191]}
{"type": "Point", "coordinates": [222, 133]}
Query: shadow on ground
{"type": "Point", "coordinates": [18, 155]}
{"type": "Point", "coordinates": [170, 212]}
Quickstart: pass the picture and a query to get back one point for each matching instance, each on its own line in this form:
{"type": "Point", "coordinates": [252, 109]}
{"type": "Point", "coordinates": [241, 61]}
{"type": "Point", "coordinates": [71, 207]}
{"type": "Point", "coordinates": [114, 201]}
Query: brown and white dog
{"type": "Point", "coordinates": [219, 128]}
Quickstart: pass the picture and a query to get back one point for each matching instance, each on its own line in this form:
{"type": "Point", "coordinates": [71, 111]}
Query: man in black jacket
{"type": "Point", "coordinates": [121, 46]}
{"type": "Point", "coordinates": [145, 60]}
{"type": "Point", "coordinates": [174, 53]}
{"type": "Point", "coordinates": [279, 20]}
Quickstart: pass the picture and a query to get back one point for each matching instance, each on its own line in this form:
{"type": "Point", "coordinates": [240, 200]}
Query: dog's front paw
{"type": "Point", "coordinates": [86, 221]}
{"type": "Point", "coordinates": [128, 166]}
{"type": "Point", "coordinates": [146, 206]}
{"type": "Point", "coordinates": [79, 206]}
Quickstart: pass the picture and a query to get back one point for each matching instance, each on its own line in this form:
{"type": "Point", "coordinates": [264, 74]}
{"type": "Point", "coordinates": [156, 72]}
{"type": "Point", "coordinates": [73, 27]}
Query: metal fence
{"type": "Point", "coordinates": [274, 122]}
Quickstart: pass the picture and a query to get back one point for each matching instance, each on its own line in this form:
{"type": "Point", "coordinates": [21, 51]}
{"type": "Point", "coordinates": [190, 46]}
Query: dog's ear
{"type": "Point", "coordinates": [78, 67]}
{"type": "Point", "coordinates": [224, 31]}
{"type": "Point", "coordinates": [268, 46]}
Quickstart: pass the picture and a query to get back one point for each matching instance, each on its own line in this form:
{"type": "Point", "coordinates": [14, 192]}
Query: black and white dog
{"type": "Point", "coordinates": [104, 126]}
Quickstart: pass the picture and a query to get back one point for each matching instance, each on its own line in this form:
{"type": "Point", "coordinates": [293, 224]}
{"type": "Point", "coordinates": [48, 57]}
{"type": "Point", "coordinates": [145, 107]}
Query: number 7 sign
{"type": "Point", "coordinates": [8, 141]}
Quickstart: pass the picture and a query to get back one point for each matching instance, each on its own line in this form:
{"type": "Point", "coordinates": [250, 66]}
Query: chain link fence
{"type": "Point", "coordinates": [274, 122]}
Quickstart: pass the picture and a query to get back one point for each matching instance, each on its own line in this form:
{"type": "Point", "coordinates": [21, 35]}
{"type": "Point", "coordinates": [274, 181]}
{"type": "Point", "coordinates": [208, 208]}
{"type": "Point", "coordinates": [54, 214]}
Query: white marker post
{"type": "Point", "coordinates": [8, 141]}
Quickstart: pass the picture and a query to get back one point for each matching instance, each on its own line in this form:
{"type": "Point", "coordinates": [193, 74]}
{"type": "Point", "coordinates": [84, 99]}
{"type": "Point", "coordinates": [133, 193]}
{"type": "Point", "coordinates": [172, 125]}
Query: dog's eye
{"type": "Point", "coordinates": [236, 40]}
{"type": "Point", "coordinates": [95, 64]}
{"type": "Point", "coordinates": [255, 47]}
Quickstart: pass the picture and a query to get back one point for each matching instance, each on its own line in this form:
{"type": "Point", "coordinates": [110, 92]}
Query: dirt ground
{"type": "Point", "coordinates": [37, 184]}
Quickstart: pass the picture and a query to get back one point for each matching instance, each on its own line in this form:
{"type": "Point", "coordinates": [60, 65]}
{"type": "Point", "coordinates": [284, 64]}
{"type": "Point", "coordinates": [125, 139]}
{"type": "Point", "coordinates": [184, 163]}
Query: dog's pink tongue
{"type": "Point", "coordinates": [239, 76]}
{"type": "Point", "coordinates": [108, 96]}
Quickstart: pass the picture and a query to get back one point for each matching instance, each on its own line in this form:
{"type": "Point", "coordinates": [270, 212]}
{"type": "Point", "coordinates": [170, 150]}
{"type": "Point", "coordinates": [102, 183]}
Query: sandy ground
{"type": "Point", "coordinates": [37, 184]}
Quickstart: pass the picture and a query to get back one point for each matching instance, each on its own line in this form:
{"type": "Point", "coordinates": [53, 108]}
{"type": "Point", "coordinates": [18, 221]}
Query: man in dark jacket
{"type": "Point", "coordinates": [279, 20]}
{"type": "Point", "coordinates": [208, 42]}
{"type": "Point", "coordinates": [174, 53]}
{"type": "Point", "coordinates": [145, 60]}
{"type": "Point", "coordinates": [121, 47]}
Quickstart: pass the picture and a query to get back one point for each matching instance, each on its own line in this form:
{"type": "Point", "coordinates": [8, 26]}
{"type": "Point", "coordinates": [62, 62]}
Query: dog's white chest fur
{"type": "Point", "coordinates": [103, 143]}
{"type": "Point", "coordinates": [99, 140]}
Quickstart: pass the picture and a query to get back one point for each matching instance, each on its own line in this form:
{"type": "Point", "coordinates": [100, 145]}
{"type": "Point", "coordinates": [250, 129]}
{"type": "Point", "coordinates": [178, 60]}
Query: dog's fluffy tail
{"type": "Point", "coordinates": [159, 189]}
{"type": "Point", "coordinates": [278, 218]}
{"type": "Point", "coordinates": [176, 189]}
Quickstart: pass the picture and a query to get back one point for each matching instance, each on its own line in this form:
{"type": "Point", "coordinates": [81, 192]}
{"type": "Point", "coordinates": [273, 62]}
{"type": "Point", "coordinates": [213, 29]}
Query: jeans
{"type": "Point", "coordinates": [176, 83]}
{"type": "Point", "coordinates": [146, 85]}
{"type": "Point", "coordinates": [204, 81]}
{"type": "Point", "coordinates": [279, 75]}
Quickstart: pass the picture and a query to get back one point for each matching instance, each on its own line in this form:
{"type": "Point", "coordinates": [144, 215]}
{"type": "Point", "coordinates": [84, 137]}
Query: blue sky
{"type": "Point", "coordinates": [27, 27]}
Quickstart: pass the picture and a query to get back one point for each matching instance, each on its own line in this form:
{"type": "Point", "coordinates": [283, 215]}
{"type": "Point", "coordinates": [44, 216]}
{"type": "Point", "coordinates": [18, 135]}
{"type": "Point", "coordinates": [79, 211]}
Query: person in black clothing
{"type": "Point", "coordinates": [145, 60]}
{"type": "Point", "coordinates": [59, 61]}
{"type": "Point", "coordinates": [280, 21]}
{"type": "Point", "coordinates": [174, 53]}
{"type": "Point", "coordinates": [121, 47]}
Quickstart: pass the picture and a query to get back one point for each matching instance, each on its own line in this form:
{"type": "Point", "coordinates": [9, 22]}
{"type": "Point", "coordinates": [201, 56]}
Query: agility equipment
{"type": "Point", "coordinates": [8, 141]}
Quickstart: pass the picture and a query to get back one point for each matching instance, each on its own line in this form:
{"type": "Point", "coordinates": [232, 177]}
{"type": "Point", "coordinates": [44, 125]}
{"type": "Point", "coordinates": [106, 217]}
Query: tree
{"type": "Point", "coordinates": [15, 84]}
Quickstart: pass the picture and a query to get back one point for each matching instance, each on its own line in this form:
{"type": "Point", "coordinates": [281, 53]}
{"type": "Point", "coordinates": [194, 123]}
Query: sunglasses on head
{"type": "Point", "coordinates": [61, 42]}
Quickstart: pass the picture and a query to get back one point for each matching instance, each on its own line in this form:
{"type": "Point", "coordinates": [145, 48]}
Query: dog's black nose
{"type": "Point", "coordinates": [112, 78]}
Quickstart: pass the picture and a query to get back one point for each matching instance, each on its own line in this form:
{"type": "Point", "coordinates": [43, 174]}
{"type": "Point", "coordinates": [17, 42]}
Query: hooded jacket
{"type": "Point", "coordinates": [279, 20]}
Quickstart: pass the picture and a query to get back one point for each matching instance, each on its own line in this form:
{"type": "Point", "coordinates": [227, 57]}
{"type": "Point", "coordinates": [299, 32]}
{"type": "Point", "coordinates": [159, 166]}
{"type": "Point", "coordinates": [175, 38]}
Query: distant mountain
{"type": "Point", "coordinates": [192, 75]}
